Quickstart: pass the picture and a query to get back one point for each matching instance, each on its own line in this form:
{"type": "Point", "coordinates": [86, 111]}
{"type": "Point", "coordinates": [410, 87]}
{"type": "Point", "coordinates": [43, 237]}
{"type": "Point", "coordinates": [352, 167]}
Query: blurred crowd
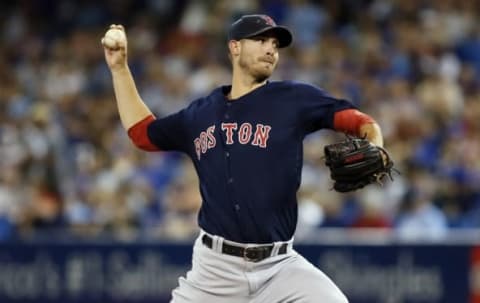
{"type": "Point", "coordinates": [67, 165]}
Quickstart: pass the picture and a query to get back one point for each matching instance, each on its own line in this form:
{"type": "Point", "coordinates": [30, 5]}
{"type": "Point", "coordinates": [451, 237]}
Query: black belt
{"type": "Point", "coordinates": [253, 254]}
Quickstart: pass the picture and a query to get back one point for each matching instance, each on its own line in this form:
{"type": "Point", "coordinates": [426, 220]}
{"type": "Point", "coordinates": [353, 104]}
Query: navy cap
{"type": "Point", "coordinates": [249, 26]}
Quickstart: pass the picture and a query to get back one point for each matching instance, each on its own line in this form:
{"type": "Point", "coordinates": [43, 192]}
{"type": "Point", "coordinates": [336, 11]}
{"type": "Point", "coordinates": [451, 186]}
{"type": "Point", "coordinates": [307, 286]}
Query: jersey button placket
{"type": "Point", "coordinates": [227, 116]}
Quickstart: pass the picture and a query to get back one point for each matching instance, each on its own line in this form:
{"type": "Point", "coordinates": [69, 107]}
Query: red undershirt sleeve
{"type": "Point", "coordinates": [350, 120]}
{"type": "Point", "coordinates": [139, 135]}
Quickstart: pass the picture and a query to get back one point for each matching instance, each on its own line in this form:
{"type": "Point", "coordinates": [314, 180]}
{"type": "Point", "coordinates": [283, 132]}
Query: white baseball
{"type": "Point", "coordinates": [114, 38]}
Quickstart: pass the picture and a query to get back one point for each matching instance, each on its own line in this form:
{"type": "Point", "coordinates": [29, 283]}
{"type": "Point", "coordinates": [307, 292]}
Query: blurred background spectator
{"type": "Point", "coordinates": [67, 164]}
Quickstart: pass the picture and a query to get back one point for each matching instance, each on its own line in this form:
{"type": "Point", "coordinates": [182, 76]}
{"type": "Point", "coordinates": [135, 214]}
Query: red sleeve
{"type": "Point", "coordinates": [139, 136]}
{"type": "Point", "coordinates": [350, 120]}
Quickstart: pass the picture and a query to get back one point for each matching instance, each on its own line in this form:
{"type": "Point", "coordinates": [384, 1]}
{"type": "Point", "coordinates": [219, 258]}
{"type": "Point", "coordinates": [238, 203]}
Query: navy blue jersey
{"type": "Point", "coordinates": [248, 154]}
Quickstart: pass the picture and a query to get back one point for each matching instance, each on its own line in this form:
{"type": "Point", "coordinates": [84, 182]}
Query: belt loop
{"type": "Point", "coordinates": [217, 243]}
{"type": "Point", "coordinates": [214, 243]}
{"type": "Point", "coordinates": [220, 244]}
{"type": "Point", "coordinates": [290, 245]}
{"type": "Point", "coordinates": [276, 248]}
{"type": "Point", "coordinates": [202, 233]}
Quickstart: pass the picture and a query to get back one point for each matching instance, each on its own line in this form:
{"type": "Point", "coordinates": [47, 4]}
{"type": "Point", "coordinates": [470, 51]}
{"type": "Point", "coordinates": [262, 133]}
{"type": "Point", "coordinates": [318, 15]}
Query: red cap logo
{"type": "Point", "coordinates": [268, 20]}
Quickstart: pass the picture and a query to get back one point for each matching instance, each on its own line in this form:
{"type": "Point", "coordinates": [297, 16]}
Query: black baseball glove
{"type": "Point", "coordinates": [355, 163]}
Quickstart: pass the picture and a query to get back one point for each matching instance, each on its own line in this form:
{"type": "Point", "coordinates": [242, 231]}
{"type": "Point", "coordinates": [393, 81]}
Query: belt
{"type": "Point", "coordinates": [253, 254]}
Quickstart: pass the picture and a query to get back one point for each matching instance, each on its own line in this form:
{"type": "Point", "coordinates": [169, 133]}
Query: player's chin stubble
{"type": "Point", "coordinates": [261, 73]}
{"type": "Point", "coordinates": [257, 70]}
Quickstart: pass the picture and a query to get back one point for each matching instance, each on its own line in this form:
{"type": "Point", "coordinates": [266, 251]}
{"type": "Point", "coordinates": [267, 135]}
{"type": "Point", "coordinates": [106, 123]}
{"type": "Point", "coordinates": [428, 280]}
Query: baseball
{"type": "Point", "coordinates": [114, 38]}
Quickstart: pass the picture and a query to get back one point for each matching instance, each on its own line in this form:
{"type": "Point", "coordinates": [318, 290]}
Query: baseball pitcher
{"type": "Point", "coordinates": [246, 143]}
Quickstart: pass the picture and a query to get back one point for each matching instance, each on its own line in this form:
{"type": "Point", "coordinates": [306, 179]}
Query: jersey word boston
{"type": "Point", "coordinates": [206, 140]}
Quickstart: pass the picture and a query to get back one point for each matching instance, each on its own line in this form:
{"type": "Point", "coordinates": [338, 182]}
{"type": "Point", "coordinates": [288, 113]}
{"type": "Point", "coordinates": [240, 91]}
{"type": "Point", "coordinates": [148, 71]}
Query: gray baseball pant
{"type": "Point", "coordinates": [216, 277]}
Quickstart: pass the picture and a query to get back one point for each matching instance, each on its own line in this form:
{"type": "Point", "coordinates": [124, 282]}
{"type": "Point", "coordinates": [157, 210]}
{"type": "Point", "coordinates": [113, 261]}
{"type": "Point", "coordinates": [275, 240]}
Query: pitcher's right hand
{"type": "Point", "coordinates": [115, 47]}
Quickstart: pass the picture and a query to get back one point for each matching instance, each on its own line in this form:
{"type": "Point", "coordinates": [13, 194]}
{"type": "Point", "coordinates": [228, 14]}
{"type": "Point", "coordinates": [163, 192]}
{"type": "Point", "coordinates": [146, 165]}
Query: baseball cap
{"type": "Point", "coordinates": [249, 26]}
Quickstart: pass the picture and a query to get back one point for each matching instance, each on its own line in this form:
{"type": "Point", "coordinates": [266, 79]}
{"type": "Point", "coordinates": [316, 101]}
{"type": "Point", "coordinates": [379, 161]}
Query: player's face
{"type": "Point", "coordinates": [259, 56]}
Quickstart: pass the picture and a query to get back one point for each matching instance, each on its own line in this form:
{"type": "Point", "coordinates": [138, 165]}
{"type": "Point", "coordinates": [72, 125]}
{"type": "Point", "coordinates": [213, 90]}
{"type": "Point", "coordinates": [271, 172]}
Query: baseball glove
{"type": "Point", "coordinates": [355, 163]}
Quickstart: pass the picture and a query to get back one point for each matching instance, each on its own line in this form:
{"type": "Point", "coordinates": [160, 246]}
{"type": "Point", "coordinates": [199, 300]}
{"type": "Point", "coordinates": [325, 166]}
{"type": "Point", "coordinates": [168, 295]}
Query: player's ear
{"type": "Point", "coordinates": [234, 47]}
